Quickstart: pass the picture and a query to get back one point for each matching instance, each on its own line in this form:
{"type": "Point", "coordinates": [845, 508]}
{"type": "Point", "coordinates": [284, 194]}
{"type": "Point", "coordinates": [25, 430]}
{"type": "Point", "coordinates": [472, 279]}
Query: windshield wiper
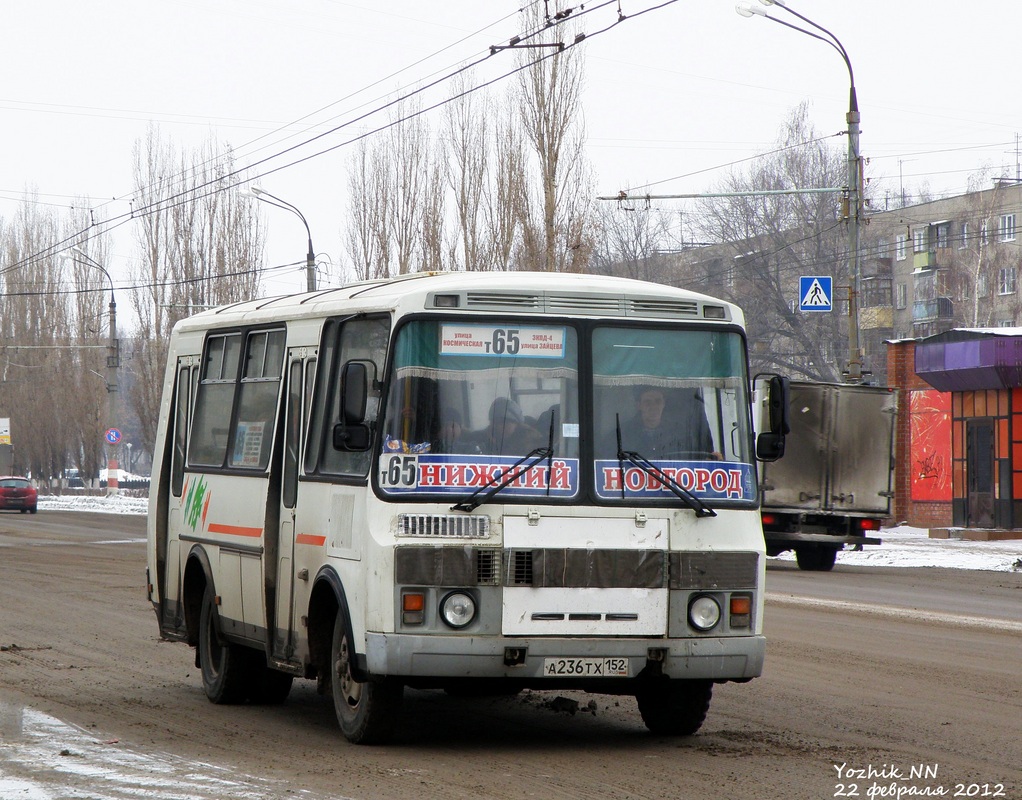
{"type": "Point", "coordinates": [512, 473]}
{"type": "Point", "coordinates": [647, 466]}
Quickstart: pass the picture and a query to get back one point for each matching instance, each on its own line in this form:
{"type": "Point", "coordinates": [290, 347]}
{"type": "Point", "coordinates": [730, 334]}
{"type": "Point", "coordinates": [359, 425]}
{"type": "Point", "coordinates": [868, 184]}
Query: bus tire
{"type": "Point", "coordinates": [226, 668]}
{"type": "Point", "coordinates": [367, 712]}
{"type": "Point", "coordinates": [674, 707]}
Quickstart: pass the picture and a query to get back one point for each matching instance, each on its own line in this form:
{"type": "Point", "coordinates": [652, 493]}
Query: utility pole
{"type": "Point", "coordinates": [113, 359]}
{"type": "Point", "coordinates": [853, 209]}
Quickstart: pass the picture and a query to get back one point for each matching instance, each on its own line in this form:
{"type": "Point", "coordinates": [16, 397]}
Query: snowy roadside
{"type": "Point", "coordinates": [903, 546]}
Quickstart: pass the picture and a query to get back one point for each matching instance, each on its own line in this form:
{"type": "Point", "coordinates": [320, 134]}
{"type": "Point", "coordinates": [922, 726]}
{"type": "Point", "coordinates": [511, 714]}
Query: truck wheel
{"type": "Point", "coordinates": [226, 668]}
{"type": "Point", "coordinates": [816, 558]}
{"type": "Point", "coordinates": [367, 713]}
{"type": "Point", "coordinates": [674, 707]}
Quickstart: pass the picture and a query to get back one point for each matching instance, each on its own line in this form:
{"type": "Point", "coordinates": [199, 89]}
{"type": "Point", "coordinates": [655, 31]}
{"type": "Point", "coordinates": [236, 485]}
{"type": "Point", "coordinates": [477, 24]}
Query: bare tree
{"type": "Point", "coordinates": [89, 331]}
{"type": "Point", "coordinates": [631, 240]}
{"type": "Point", "coordinates": [408, 169]}
{"type": "Point", "coordinates": [366, 228]}
{"type": "Point", "coordinates": [201, 244]}
{"type": "Point", "coordinates": [550, 103]}
{"type": "Point", "coordinates": [769, 241]}
{"type": "Point", "coordinates": [506, 200]}
{"type": "Point", "coordinates": [396, 218]}
{"type": "Point", "coordinates": [36, 343]}
{"type": "Point", "coordinates": [468, 145]}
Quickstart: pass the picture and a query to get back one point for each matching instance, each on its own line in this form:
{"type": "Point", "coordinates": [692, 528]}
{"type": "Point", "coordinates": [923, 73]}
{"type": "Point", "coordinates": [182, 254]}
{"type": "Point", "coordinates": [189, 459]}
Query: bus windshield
{"type": "Point", "coordinates": [675, 399]}
{"type": "Point", "coordinates": [468, 400]}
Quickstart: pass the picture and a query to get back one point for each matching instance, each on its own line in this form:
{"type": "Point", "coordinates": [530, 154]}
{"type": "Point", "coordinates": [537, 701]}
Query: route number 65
{"type": "Point", "coordinates": [399, 470]}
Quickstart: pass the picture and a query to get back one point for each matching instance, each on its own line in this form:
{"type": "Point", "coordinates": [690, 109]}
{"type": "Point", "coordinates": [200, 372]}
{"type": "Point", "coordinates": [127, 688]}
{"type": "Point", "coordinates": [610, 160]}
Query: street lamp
{"type": "Point", "coordinates": [112, 364]}
{"type": "Point", "coordinates": [853, 211]}
{"type": "Point", "coordinates": [310, 258]}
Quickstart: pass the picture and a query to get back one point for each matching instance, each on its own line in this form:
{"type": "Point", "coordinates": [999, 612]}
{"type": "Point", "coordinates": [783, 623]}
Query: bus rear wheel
{"type": "Point", "coordinates": [226, 668]}
{"type": "Point", "coordinates": [674, 707]}
{"type": "Point", "coordinates": [367, 712]}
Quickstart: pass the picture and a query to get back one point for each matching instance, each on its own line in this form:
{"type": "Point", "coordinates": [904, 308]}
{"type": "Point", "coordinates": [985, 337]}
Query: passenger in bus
{"type": "Point", "coordinates": [658, 434]}
{"type": "Point", "coordinates": [449, 438]}
{"type": "Point", "coordinates": [508, 434]}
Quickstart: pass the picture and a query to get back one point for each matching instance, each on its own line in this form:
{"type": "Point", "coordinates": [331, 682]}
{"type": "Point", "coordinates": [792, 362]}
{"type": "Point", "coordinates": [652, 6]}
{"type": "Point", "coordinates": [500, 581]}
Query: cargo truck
{"type": "Point", "coordinates": [833, 487]}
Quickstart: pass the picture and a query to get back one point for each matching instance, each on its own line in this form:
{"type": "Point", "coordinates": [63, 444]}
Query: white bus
{"type": "Point", "coordinates": [445, 481]}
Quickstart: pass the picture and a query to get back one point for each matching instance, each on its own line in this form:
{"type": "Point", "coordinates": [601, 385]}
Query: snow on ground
{"type": "Point", "coordinates": [903, 546]}
{"type": "Point", "coordinates": [107, 504]}
{"type": "Point", "coordinates": [912, 547]}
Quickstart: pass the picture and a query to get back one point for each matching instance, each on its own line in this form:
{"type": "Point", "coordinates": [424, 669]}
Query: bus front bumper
{"type": "Point", "coordinates": [711, 658]}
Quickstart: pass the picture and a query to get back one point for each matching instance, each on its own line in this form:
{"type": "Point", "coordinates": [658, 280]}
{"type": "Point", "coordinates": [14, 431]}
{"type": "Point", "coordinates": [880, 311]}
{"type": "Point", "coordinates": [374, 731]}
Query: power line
{"type": "Point", "coordinates": [191, 195]}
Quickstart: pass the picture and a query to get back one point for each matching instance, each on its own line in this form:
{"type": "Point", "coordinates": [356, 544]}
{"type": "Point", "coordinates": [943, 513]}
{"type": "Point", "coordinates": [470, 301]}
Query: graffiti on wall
{"type": "Point", "coordinates": [930, 445]}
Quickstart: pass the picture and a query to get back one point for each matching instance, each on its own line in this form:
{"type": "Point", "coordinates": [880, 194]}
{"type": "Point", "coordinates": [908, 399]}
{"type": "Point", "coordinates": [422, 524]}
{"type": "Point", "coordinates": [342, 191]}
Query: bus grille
{"type": "Point", "coordinates": [520, 568]}
{"type": "Point", "coordinates": [444, 526]}
{"type": "Point", "coordinates": [713, 570]}
{"type": "Point", "coordinates": [447, 566]}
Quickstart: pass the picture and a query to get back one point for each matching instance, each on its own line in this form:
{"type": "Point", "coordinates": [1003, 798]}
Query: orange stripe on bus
{"type": "Point", "coordinates": [235, 530]}
{"type": "Point", "coordinates": [310, 538]}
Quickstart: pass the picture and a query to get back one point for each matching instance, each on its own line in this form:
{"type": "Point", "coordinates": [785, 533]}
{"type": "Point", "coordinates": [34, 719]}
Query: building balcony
{"type": "Point", "coordinates": [873, 317]}
{"type": "Point", "coordinates": [940, 309]}
{"type": "Point", "coordinates": [925, 260]}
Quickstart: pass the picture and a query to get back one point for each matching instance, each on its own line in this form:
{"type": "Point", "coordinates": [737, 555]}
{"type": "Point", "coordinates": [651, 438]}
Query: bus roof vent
{"type": "Point", "coordinates": [576, 303]}
{"type": "Point", "coordinates": [654, 307]}
{"type": "Point", "coordinates": [582, 303]}
{"type": "Point", "coordinates": [502, 300]}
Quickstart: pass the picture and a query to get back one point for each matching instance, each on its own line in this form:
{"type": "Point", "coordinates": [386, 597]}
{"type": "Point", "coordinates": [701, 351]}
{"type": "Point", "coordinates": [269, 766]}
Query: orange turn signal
{"type": "Point", "coordinates": [741, 604]}
{"type": "Point", "coordinates": [413, 605]}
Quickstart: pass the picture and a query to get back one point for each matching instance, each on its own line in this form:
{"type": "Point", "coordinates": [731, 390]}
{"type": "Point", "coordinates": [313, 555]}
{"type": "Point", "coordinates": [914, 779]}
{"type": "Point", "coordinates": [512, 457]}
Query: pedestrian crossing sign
{"type": "Point", "coordinates": [815, 293]}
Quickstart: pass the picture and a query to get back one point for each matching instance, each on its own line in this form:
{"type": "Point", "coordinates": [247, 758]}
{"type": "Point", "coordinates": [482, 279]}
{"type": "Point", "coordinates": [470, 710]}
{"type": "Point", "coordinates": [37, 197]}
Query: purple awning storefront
{"type": "Point", "coordinates": [968, 359]}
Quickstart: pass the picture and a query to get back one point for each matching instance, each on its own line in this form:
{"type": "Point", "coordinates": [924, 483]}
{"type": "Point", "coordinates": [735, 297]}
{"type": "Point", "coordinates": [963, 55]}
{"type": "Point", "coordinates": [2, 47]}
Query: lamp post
{"type": "Point", "coordinates": [310, 258]}
{"type": "Point", "coordinates": [112, 388]}
{"type": "Point", "coordinates": [854, 201]}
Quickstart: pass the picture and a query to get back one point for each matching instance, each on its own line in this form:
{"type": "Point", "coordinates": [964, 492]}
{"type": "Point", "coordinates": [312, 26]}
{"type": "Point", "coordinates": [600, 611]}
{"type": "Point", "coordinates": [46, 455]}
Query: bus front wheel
{"type": "Point", "coordinates": [674, 707]}
{"type": "Point", "coordinates": [225, 666]}
{"type": "Point", "coordinates": [367, 712]}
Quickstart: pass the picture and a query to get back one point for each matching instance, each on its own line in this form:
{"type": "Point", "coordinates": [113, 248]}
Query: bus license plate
{"type": "Point", "coordinates": [585, 667]}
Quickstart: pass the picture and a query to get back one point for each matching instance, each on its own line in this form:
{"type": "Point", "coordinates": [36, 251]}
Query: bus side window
{"type": "Point", "coordinates": [214, 401]}
{"type": "Point", "coordinates": [362, 339]}
{"type": "Point", "coordinates": [257, 400]}
{"type": "Point", "coordinates": [182, 404]}
{"type": "Point", "coordinates": [292, 434]}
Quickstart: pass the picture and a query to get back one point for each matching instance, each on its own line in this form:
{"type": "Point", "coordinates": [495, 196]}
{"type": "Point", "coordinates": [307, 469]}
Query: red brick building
{"type": "Point", "coordinates": [958, 436]}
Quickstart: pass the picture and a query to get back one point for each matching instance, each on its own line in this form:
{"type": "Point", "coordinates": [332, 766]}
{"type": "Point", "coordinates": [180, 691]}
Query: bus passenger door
{"type": "Point", "coordinates": [299, 375]}
{"type": "Point", "coordinates": [169, 522]}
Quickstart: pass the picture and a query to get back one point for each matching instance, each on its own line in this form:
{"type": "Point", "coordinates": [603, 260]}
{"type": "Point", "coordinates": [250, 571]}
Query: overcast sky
{"type": "Point", "coordinates": [684, 90]}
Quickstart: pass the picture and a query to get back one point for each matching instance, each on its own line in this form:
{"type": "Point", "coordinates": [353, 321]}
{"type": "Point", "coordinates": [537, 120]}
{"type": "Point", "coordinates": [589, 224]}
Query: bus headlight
{"type": "Point", "coordinates": [703, 613]}
{"type": "Point", "coordinates": [457, 609]}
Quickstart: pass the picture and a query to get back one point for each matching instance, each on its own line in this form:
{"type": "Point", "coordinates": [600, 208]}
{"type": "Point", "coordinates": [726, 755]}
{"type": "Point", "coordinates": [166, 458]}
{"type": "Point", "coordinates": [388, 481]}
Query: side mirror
{"type": "Point", "coordinates": [351, 437]}
{"type": "Point", "coordinates": [770, 443]}
{"type": "Point", "coordinates": [354, 392]}
{"type": "Point", "coordinates": [352, 433]}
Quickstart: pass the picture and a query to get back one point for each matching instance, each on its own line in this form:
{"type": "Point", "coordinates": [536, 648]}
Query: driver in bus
{"type": "Point", "coordinates": [658, 436]}
{"type": "Point", "coordinates": [508, 434]}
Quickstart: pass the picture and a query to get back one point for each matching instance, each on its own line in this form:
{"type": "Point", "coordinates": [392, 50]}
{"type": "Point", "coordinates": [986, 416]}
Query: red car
{"type": "Point", "coordinates": [17, 494]}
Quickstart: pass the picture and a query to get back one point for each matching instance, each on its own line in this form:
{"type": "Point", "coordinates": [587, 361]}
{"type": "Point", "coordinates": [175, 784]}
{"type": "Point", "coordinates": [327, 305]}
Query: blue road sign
{"type": "Point", "coordinates": [113, 435]}
{"type": "Point", "coordinates": [816, 293]}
